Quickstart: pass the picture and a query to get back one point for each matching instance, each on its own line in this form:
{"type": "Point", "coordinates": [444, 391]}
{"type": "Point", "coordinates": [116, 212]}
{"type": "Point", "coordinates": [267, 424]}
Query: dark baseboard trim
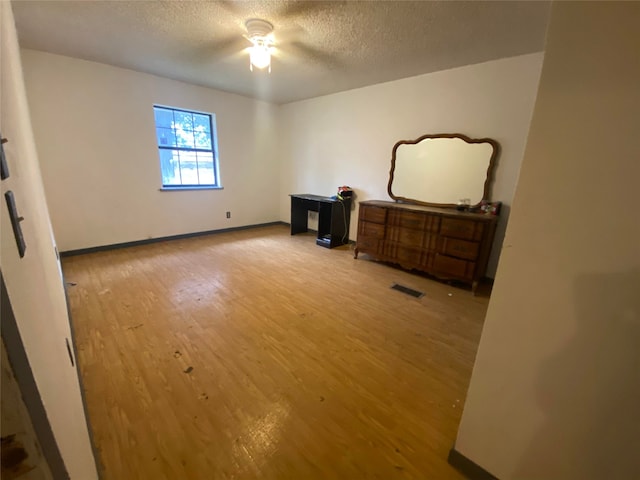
{"type": "Point", "coordinates": [469, 469]}
{"type": "Point", "coordinates": [135, 243]}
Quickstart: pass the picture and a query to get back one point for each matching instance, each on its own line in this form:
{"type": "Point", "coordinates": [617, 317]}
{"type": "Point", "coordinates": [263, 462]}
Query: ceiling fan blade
{"type": "Point", "coordinates": [289, 33]}
{"type": "Point", "coordinates": [232, 6]}
{"type": "Point", "coordinates": [298, 8]}
{"type": "Point", "coordinates": [316, 55]}
{"type": "Point", "coordinates": [219, 49]}
{"type": "Point", "coordinates": [273, 9]}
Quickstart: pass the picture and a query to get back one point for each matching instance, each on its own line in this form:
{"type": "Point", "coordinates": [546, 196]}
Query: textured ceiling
{"type": "Point", "coordinates": [321, 47]}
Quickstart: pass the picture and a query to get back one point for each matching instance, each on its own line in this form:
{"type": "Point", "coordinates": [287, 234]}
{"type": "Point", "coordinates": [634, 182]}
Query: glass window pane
{"type": "Point", "coordinates": [183, 120]}
{"type": "Point", "coordinates": [204, 158]}
{"type": "Point", "coordinates": [164, 117]}
{"type": "Point", "coordinates": [203, 139]}
{"type": "Point", "coordinates": [170, 167]}
{"type": "Point", "coordinates": [207, 176]}
{"type": "Point", "coordinates": [182, 131]}
{"type": "Point", "coordinates": [166, 137]}
{"type": "Point", "coordinates": [189, 168]}
{"type": "Point", "coordinates": [202, 122]}
{"type": "Point", "coordinates": [205, 169]}
{"type": "Point", "coordinates": [184, 138]}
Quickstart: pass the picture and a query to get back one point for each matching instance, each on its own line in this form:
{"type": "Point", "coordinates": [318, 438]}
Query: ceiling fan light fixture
{"type": "Point", "coordinates": [258, 33]}
{"type": "Point", "coordinates": [260, 56]}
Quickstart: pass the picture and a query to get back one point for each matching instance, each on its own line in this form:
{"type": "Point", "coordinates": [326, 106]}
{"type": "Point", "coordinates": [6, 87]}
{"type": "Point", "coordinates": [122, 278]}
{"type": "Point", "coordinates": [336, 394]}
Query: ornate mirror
{"type": "Point", "coordinates": [440, 170]}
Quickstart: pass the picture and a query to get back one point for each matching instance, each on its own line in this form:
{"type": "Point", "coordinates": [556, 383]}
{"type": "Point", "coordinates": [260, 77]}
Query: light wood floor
{"type": "Point", "coordinates": [255, 354]}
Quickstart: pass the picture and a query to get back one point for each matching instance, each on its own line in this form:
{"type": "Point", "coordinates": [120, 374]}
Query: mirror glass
{"type": "Point", "coordinates": [441, 170]}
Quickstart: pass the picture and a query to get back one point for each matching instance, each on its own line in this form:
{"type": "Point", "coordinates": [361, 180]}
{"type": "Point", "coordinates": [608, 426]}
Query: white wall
{"type": "Point", "coordinates": [346, 138]}
{"type": "Point", "coordinates": [34, 283]}
{"type": "Point", "coordinates": [556, 385]}
{"type": "Point", "coordinates": [94, 130]}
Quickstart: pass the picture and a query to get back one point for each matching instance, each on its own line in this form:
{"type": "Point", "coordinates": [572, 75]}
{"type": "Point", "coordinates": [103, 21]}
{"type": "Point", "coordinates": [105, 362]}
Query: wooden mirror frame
{"type": "Point", "coordinates": [415, 201]}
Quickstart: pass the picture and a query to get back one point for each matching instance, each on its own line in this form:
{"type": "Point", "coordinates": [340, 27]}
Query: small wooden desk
{"type": "Point", "coordinates": [333, 218]}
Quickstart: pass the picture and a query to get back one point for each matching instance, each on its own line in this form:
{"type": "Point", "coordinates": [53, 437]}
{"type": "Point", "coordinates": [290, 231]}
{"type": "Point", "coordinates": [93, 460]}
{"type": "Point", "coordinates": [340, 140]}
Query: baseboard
{"type": "Point", "coordinates": [114, 246]}
{"type": "Point", "coordinates": [470, 469]}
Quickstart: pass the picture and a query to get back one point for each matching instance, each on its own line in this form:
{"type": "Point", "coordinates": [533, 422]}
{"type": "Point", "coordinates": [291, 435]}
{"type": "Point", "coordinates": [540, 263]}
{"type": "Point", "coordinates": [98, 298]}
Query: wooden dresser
{"type": "Point", "coordinates": [442, 242]}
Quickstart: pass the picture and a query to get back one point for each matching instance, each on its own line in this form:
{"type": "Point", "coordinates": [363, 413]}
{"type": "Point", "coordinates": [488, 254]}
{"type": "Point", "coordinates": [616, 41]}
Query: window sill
{"type": "Point", "coordinates": [191, 187]}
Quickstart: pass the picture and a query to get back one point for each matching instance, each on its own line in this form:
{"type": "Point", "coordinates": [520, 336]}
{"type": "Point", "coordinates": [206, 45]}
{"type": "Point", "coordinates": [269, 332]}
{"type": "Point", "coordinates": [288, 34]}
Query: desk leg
{"type": "Point", "coordinates": [298, 216]}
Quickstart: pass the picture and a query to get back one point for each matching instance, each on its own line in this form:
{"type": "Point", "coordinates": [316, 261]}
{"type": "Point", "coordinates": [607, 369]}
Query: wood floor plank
{"type": "Point", "coordinates": [255, 354]}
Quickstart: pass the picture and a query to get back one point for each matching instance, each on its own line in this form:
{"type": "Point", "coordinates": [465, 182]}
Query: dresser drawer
{"type": "Point", "coordinates": [409, 256]}
{"type": "Point", "coordinates": [373, 214]}
{"type": "Point", "coordinates": [369, 244]}
{"type": "Point", "coordinates": [414, 220]}
{"type": "Point", "coordinates": [432, 223]}
{"type": "Point", "coordinates": [370, 229]}
{"type": "Point", "coordinates": [409, 237]}
{"type": "Point", "coordinates": [405, 256]}
{"type": "Point", "coordinates": [460, 228]}
{"type": "Point", "coordinates": [430, 242]}
{"type": "Point", "coordinates": [460, 248]}
{"type": "Point", "coordinates": [447, 244]}
{"type": "Point", "coordinates": [454, 267]}
{"type": "Point", "coordinates": [405, 236]}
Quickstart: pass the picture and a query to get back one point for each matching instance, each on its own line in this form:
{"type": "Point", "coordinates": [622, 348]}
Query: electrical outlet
{"type": "Point", "coordinates": [228, 214]}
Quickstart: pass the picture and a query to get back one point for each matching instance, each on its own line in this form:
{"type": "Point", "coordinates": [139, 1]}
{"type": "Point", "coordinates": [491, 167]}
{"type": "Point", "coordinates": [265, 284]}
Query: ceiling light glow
{"type": "Point", "coordinates": [259, 33]}
{"type": "Point", "coordinates": [260, 55]}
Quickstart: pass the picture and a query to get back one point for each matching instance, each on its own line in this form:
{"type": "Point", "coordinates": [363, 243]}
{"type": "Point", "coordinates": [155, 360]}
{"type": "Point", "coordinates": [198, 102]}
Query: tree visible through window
{"type": "Point", "coordinates": [186, 142]}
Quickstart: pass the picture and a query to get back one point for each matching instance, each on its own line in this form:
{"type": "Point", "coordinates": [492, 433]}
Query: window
{"type": "Point", "coordinates": [187, 147]}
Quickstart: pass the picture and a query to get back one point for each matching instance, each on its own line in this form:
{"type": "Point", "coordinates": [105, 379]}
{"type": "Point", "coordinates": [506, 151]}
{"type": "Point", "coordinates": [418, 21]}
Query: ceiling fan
{"type": "Point", "coordinates": [263, 42]}
{"type": "Point", "coordinates": [260, 34]}
{"type": "Point", "coordinates": [290, 44]}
